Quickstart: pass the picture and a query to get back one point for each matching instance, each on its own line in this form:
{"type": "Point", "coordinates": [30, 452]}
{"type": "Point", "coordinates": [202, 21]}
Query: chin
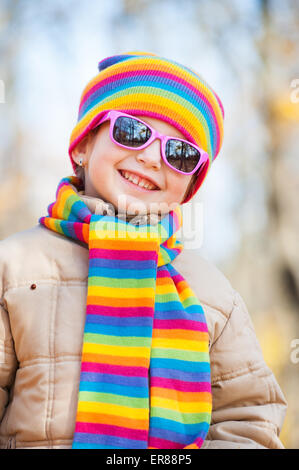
{"type": "Point", "coordinates": [135, 207]}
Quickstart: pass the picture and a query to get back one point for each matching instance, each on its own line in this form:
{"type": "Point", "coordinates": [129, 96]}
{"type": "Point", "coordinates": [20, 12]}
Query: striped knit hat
{"type": "Point", "coordinates": [141, 83]}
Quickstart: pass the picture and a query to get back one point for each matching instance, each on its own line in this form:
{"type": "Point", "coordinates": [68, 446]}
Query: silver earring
{"type": "Point", "coordinates": [80, 161]}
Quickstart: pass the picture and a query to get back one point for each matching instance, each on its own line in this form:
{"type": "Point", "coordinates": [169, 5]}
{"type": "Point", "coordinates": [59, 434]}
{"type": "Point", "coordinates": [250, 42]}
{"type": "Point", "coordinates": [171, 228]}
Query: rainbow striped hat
{"type": "Point", "coordinates": [142, 83]}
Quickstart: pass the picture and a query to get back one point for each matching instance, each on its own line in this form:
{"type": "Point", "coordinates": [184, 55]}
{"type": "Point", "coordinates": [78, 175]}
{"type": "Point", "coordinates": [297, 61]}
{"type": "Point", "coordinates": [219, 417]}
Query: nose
{"type": "Point", "coordinates": [151, 155]}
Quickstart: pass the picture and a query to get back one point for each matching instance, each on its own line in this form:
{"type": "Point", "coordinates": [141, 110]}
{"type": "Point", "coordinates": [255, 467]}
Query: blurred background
{"type": "Point", "coordinates": [249, 53]}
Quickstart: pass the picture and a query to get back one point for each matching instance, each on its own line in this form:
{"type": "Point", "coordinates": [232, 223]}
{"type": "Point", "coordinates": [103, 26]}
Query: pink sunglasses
{"type": "Point", "coordinates": [130, 132]}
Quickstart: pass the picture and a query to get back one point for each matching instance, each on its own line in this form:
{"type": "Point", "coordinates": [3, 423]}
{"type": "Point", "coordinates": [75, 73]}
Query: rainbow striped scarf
{"type": "Point", "coordinates": [145, 370]}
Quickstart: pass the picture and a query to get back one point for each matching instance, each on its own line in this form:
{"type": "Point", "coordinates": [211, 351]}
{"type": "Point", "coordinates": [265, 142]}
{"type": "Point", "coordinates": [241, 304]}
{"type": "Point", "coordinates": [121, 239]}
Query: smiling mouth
{"type": "Point", "coordinates": [137, 181]}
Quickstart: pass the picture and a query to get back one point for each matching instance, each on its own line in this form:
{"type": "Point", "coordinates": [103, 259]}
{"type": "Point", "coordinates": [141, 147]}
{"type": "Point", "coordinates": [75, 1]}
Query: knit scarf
{"type": "Point", "coordinates": [145, 369]}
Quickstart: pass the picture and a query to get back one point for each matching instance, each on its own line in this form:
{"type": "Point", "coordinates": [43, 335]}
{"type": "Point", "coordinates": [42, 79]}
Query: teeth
{"type": "Point", "coordinates": [143, 184]}
{"type": "Point", "coordinates": [136, 180]}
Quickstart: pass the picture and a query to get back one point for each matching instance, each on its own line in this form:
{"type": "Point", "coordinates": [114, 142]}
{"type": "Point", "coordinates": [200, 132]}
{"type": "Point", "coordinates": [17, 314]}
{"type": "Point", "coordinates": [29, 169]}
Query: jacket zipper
{"type": "Point", "coordinates": [10, 443]}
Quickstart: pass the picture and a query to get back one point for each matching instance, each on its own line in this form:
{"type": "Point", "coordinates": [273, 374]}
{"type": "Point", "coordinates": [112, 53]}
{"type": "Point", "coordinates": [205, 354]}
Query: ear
{"type": "Point", "coordinates": [81, 149]}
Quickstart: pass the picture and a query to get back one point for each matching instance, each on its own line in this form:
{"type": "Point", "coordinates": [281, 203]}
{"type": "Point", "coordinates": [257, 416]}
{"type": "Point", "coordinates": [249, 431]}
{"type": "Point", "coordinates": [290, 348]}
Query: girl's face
{"type": "Point", "coordinates": [106, 165]}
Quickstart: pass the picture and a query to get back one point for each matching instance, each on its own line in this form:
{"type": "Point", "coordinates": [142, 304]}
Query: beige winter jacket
{"type": "Point", "coordinates": [43, 287]}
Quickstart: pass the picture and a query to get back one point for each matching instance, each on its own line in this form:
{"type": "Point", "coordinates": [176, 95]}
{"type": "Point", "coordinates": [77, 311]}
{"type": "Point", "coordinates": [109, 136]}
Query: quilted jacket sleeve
{"type": "Point", "coordinates": [8, 362]}
{"type": "Point", "coordinates": [248, 404]}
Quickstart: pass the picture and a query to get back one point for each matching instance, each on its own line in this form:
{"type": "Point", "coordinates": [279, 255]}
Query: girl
{"type": "Point", "coordinates": [111, 335]}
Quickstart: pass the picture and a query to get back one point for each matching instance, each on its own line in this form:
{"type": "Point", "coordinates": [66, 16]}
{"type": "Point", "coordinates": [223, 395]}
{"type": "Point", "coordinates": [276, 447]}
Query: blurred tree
{"type": "Point", "coordinates": [270, 261]}
{"type": "Point", "coordinates": [13, 188]}
{"type": "Point", "coordinates": [16, 19]}
{"type": "Point", "coordinates": [255, 46]}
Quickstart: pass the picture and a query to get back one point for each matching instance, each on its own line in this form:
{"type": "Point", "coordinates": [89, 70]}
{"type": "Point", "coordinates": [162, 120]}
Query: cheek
{"type": "Point", "coordinates": [178, 184]}
{"type": "Point", "coordinates": [104, 154]}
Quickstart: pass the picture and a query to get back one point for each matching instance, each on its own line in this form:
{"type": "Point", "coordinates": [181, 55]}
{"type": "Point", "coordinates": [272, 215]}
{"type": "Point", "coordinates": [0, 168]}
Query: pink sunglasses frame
{"type": "Point", "coordinates": [113, 115]}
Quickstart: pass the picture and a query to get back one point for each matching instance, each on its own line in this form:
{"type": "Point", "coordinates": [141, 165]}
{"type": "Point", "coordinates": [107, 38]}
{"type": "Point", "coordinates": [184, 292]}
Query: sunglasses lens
{"type": "Point", "coordinates": [181, 155]}
{"type": "Point", "coordinates": [130, 132]}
